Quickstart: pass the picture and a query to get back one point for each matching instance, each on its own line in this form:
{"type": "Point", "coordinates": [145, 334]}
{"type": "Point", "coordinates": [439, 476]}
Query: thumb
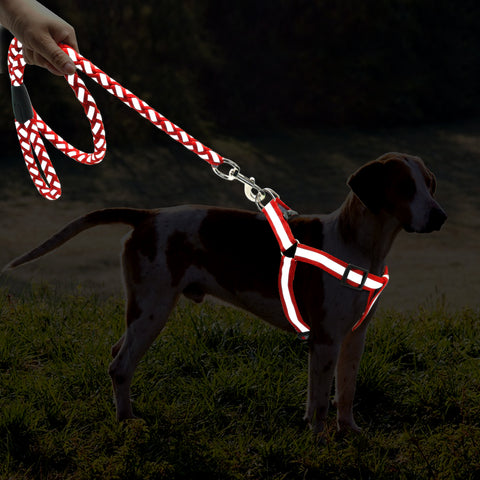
{"type": "Point", "coordinates": [54, 55]}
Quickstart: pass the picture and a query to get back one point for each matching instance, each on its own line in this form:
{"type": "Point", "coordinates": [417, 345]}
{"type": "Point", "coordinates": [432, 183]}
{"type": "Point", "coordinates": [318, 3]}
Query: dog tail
{"type": "Point", "coordinates": [129, 216]}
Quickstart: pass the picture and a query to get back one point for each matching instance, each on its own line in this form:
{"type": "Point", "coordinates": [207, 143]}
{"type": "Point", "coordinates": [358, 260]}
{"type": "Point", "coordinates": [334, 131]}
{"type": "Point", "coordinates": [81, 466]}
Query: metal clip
{"type": "Point", "coordinates": [232, 173]}
{"type": "Point", "coordinates": [253, 192]}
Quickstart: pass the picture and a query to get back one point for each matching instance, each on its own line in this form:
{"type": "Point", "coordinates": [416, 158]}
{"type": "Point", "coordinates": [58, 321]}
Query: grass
{"type": "Point", "coordinates": [221, 396]}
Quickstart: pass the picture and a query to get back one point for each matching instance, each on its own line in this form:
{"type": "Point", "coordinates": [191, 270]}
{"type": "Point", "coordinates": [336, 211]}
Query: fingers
{"type": "Point", "coordinates": [49, 55]}
{"type": "Point", "coordinates": [40, 32]}
{"type": "Point", "coordinates": [33, 58]}
{"type": "Point", "coordinates": [69, 38]}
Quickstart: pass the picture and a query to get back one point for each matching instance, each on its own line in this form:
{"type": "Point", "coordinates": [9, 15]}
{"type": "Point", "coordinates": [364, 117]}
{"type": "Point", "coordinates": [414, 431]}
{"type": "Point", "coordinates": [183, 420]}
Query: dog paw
{"type": "Point", "coordinates": [126, 414]}
{"type": "Point", "coordinates": [133, 420]}
{"type": "Point", "coordinates": [346, 427]}
{"type": "Point", "coordinates": [316, 425]}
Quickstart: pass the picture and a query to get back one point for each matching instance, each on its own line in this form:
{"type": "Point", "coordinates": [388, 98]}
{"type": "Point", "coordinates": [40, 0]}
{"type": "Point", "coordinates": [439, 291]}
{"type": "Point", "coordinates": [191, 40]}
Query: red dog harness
{"type": "Point", "coordinates": [30, 127]}
{"type": "Point", "coordinates": [293, 252]}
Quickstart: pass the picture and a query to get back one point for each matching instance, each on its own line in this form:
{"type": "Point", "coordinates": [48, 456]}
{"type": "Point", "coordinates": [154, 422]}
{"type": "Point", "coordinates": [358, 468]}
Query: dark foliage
{"type": "Point", "coordinates": [252, 65]}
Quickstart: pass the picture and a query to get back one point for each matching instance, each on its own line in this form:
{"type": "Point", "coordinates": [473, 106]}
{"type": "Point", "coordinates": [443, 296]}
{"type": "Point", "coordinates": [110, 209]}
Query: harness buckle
{"type": "Point", "coordinates": [349, 268]}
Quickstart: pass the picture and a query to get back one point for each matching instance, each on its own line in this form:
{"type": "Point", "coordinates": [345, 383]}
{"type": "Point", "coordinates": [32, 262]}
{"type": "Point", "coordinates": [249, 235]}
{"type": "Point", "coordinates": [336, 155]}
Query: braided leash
{"type": "Point", "coordinates": [30, 129]}
{"type": "Point", "coordinates": [30, 126]}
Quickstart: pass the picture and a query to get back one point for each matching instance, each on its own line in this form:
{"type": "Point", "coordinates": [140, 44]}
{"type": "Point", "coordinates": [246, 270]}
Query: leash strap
{"type": "Point", "coordinates": [292, 252]}
{"type": "Point", "coordinates": [30, 127]}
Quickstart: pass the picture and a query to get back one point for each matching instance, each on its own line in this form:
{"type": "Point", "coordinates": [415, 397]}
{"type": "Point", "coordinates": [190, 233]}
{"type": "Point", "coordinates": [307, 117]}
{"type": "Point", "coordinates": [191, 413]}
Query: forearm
{"type": "Point", "coordinates": [17, 15]}
{"type": "Point", "coordinates": [12, 10]}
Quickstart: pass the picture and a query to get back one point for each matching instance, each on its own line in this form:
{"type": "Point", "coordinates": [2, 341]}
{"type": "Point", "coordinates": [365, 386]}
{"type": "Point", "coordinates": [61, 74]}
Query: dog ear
{"type": "Point", "coordinates": [368, 183]}
{"type": "Point", "coordinates": [433, 183]}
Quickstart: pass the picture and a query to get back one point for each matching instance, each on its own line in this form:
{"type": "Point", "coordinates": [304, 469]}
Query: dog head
{"type": "Point", "coordinates": [402, 186]}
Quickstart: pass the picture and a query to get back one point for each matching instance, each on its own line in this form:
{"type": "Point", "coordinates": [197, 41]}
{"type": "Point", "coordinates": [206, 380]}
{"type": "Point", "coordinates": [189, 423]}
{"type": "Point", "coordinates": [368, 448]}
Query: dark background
{"type": "Point", "coordinates": [252, 66]}
{"type": "Point", "coordinates": [299, 93]}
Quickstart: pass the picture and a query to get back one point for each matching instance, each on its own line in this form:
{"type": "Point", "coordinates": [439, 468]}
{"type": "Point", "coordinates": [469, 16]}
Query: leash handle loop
{"type": "Point", "coordinates": [30, 127]}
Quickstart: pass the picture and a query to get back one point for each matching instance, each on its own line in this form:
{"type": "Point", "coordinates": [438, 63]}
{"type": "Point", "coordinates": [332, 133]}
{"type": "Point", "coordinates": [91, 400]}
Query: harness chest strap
{"type": "Point", "coordinates": [293, 252]}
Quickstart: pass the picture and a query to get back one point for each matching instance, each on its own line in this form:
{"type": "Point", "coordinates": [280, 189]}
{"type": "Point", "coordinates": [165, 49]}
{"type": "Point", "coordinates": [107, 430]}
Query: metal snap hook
{"type": "Point", "coordinates": [252, 190]}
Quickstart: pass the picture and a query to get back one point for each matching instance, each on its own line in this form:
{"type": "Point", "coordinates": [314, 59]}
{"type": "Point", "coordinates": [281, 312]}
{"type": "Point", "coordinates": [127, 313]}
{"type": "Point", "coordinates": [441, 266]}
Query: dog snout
{"type": "Point", "coordinates": [436, 219]}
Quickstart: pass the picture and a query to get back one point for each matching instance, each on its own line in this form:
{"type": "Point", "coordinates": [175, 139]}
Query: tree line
{"type": "Point", "coordinates": [252, 65]}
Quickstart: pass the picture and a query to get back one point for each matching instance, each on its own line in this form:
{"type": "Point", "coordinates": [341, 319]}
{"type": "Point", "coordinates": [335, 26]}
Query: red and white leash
{"type": "Point", "coordinates": [30, 126]}
{"type": "Point", "coordinates": [30, 129]}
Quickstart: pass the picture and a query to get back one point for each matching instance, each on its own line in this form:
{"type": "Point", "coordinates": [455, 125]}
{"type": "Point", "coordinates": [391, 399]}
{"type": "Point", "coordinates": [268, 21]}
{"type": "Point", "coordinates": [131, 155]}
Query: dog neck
{"type": "Point", "coordinates": [373, 234]}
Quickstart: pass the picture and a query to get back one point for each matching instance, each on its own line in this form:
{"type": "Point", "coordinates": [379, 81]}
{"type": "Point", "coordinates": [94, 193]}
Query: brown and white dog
{"type": "Point", "coordinates": [233, 255]}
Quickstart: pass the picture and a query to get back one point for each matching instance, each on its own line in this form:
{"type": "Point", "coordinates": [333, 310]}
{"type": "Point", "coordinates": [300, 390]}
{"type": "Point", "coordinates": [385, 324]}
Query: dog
{"type": "Point", "coordinates": [231, 254]}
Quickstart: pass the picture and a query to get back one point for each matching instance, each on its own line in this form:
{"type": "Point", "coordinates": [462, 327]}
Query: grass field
{"type": "Point", "coordinates": [221, 396]}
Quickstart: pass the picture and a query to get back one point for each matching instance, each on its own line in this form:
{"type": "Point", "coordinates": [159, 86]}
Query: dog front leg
{"type": "Point", "coordinates": [321, 367]}
{"type": "Point", "coordinates": [346, 376]}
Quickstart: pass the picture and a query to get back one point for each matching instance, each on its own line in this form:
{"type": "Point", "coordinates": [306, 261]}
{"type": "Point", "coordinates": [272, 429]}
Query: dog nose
{"type": "Point", "coordinates": [436, 219]}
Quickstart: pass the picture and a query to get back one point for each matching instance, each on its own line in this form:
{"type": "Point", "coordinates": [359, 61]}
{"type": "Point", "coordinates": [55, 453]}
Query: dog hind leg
{"type": "Point", "coordinates": [140, 334]}
{"type": "Point", "coordinates": [116, 348]}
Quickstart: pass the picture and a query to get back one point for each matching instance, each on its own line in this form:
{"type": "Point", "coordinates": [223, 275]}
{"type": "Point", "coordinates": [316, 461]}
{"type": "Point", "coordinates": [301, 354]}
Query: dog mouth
{"type": "Point", "coordinates": [434, 222]}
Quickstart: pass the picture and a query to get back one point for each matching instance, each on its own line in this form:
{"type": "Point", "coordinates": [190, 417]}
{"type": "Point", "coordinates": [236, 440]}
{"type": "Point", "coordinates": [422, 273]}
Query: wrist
{"type": "Point", "coordinates": [12, 12]}
{"type": "Point", "coordinates": [9, 11]}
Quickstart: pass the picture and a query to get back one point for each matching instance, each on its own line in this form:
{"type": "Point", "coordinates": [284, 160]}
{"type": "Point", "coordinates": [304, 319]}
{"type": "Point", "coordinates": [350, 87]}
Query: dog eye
{"type": "Point", "coordinates": [406, 188]}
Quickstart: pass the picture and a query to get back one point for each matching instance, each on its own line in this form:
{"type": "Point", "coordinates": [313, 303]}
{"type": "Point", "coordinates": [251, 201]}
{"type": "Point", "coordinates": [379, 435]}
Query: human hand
{"type": "Point", "coordinates": [40, 32]}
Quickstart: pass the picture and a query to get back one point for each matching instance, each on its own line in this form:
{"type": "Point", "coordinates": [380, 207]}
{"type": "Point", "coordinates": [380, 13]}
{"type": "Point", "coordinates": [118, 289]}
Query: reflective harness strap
{"type": "Point", "coordinates": [293, 252]}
